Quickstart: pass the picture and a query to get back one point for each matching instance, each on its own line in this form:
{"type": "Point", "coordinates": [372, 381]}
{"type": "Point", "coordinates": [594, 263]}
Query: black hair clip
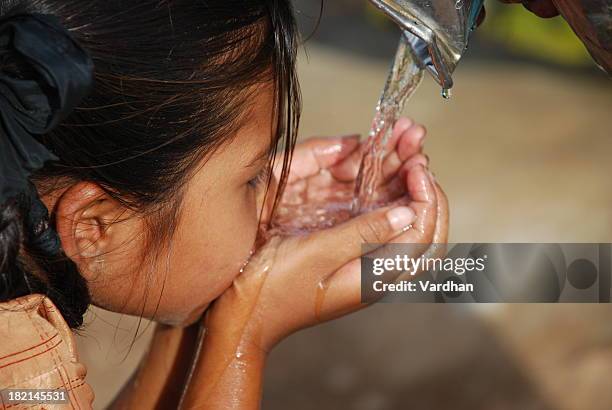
{"type": "Point", "coordinates": [44, 74]}
{"type": "Point", "coordinates": [53, 75]}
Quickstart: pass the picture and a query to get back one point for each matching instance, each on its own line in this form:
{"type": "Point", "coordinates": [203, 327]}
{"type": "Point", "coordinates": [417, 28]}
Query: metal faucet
{"type": "Point", "coordinates": [436, 30]}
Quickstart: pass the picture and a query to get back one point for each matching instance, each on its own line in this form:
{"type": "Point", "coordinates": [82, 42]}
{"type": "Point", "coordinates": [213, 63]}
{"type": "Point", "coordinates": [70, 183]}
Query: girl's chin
{"type": "Point", "coordinates": [184, 321]}
{"type": "Point", "coordinates": [196, 314]}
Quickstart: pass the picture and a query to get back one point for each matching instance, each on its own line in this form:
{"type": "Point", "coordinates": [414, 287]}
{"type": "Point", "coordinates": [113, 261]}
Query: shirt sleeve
{"type": "Point", "coordinates": [38, 351]}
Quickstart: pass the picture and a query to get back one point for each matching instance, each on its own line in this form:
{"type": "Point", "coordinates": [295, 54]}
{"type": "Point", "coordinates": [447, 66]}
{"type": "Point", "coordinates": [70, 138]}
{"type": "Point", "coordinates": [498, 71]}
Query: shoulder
{"type": "Point", "coordinates": [38, 350]}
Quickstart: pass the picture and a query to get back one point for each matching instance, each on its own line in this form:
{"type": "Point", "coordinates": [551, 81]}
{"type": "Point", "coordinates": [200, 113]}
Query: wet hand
{"type": "Point", "coordinates": [321, 182]}
{"type": "Point", "coordinates": [294, 282]}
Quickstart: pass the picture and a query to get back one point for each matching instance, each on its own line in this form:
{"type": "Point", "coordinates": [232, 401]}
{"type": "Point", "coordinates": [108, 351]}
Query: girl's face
{"type": "Point", "coordinates": [216, 230]}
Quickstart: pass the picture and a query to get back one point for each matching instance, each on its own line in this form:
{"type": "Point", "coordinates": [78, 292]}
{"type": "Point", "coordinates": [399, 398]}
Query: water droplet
{"type": "Point", "coordinates": [446, 93]}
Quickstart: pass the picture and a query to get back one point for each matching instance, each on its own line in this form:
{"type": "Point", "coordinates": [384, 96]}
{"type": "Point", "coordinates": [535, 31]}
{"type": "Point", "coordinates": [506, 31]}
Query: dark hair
{"type": "Point", "coordinates": [170, 86]}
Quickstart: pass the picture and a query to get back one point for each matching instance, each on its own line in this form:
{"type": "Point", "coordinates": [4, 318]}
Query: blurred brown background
{"type": "Point", "coordinates": [523, 150]}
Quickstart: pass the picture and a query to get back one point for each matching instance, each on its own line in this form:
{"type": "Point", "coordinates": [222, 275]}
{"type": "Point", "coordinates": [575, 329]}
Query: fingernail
{"type": "Point", "coordinates": [400, 217]}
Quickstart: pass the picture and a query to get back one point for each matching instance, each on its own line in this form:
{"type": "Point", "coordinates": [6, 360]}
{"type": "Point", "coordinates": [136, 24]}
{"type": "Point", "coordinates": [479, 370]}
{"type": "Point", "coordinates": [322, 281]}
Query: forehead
{"type": "Point", "coordinates": [254, 135]}
{"type": "Point", "coordinates": [257, 131]}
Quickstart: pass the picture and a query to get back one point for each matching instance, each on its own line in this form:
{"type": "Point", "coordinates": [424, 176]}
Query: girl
{"type": "Point", "coordinates": [148, 197]}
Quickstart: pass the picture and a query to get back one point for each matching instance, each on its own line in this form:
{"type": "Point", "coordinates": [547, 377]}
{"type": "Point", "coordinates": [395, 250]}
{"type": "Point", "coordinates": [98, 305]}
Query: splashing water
{"type": "Point", "coordinates": [306, 210]}
{"type": "Point", "coordinates": [403, 80]}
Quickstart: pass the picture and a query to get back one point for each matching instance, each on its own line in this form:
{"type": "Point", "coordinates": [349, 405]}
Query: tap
{"type": "Point", "coordinates": [436, 30]}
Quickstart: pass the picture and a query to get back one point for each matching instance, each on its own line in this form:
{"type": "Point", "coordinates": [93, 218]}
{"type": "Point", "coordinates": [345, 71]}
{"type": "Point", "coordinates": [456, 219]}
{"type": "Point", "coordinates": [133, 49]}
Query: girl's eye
{"type": "Point", "coordinates": [260, 177]}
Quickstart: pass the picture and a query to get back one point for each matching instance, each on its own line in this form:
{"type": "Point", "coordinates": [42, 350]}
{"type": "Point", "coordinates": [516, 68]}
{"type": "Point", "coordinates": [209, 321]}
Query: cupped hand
{"type": "Point", "coordinates": [295, 281]}
{"type": "Point", "coordinates": [321, 183]}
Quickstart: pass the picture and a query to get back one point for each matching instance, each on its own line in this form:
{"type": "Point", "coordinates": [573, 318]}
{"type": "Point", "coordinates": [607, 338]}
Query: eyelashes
{"type": "Point", "coordinates": [261, 176]}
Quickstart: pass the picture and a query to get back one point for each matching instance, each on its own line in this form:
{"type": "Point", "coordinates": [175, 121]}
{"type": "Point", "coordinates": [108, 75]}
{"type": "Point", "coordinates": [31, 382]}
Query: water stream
{"type": "Point", "coordinates": [403, 80]}
{"type": "Point", "coordinates": [310, 207]}
{"type": "Point", "coordinates": [307, 207]}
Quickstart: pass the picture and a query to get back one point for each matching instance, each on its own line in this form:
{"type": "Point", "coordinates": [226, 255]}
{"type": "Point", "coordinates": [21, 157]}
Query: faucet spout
{"type": "Point", "coordinates": [436, 30]}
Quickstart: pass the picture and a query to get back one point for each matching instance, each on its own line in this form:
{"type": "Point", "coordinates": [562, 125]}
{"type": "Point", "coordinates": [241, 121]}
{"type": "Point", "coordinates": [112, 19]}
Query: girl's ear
{"type": "Point", "coordinates": [84, 216]}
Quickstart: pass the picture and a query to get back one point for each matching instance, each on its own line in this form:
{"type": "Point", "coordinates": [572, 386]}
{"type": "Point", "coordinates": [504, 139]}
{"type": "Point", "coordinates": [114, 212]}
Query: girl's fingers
{"type": "Point", "coordinates": [440, 235]}
{"type": "Point", "coordinates": [317, 153]}
{"type": "Point", "coordinates": [422, 191]}
{"type": "Point", "coordinates": [400, 127]}
{"type": "Point", "coordinates": [343, 288]}
{"type": "Point", "coordinates": [347, 169]}
{"type": "Point", "coordinates": [409, 144]}
{"type": "Point", "coordinates": [418, 159]}
{"type": "Point", "coordinates": [342, 292]}
{"type": "Point", "coordinates": [390, 165]}
{"type": "Point", "coordinates": [396, 186]}
{"type": "Point", "coordinates": [377, 227]}
{"type": "Point", "coordinates": [342, 155]}
{"type": "Point", "coordinates": [330, 151]}
{"type": "Point", "coordinates": [442, 223]}
{"type": "Point", "coordinates": [327, 250]}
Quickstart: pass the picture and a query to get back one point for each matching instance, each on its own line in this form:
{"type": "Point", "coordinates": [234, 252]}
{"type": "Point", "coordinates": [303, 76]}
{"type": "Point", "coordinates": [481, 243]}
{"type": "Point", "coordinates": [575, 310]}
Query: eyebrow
{"type": "Point", "coordinates": [263, 154]}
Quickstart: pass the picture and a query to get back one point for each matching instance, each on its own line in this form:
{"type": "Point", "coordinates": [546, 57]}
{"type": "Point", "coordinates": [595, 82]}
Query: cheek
{"type": "Point", "coordinates": [210, 246]}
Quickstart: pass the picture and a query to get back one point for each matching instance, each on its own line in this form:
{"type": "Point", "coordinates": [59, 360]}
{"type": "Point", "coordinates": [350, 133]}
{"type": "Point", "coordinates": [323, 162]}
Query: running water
{"type": "Point", "coordinates": [320, 204]}
{"type": "Point", "coordinates": [403, 80]}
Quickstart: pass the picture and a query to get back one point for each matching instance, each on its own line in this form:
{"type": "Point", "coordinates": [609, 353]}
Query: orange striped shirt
{"type": "Point", "coordinates": [38, 351]}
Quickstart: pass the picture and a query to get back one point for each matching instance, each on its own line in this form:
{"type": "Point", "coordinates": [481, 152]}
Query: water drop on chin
{"type": "Point", "coordinates": [446, 93]}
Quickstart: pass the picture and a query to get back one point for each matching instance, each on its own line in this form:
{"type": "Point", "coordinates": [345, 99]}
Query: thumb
{"type": "Point", "coordinates": [331, 248]}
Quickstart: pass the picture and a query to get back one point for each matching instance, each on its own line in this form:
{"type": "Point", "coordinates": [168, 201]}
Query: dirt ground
{"type": "Point", "coordinates": [524, 155]}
